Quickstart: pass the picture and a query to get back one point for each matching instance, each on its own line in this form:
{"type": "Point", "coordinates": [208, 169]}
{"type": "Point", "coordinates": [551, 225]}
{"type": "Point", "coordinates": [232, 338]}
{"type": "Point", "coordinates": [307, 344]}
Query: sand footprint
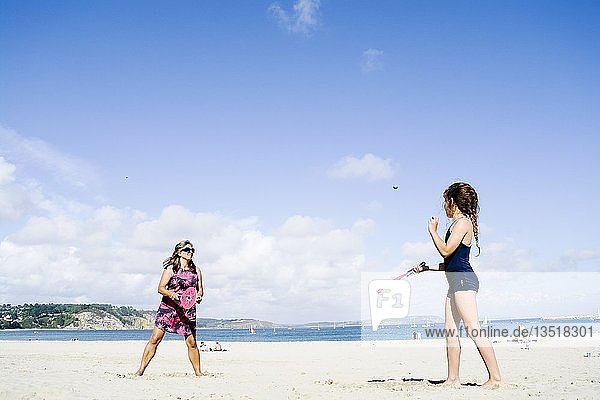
{"type": "Point", "coordinates": [293, 394]}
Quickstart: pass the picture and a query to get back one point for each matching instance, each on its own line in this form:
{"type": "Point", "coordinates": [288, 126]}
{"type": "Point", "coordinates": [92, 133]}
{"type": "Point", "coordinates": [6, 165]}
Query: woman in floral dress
{"type": "Point", "coordinates": [180, 273]}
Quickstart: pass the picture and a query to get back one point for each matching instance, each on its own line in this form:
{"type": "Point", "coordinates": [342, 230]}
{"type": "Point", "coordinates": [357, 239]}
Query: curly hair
{"type": "Point", "coordinates": [175, 260]}
{"type": "Point", "coordinates": [465, 198]}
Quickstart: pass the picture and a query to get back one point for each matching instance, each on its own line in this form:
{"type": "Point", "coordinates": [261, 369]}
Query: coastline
{"type": "Point", "coordinates": [292, 370]}
{"type": "Point", "coordinates": [499, 331]}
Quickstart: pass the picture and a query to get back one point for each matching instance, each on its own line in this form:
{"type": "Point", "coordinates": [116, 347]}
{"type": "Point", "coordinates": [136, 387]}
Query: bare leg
{"type": "Point", "coordinates": [466, 304]}
{"type": "Point", "coordinates": [193, 353]}
{"type": "Point", "coordinates": [452, 321]}
{"type": "Point", "coordinates": [150, 350]}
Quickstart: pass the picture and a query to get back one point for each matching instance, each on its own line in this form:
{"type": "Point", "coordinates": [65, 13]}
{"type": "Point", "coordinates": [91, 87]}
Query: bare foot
{"type": "Point", "coordinates": [451, 382]}
{"type": "Point", "coordinates": [492, 384]}
{"type": "Point", "coordinates": [138, 373]}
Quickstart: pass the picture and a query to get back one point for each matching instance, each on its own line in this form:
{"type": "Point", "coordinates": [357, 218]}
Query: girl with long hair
{"type": "Point", "coordinates": [461, 204]}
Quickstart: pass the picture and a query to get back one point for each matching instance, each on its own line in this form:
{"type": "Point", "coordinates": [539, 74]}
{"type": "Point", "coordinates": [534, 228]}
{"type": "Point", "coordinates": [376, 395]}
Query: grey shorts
{"type": "Point", "coordinates": [459, 281]}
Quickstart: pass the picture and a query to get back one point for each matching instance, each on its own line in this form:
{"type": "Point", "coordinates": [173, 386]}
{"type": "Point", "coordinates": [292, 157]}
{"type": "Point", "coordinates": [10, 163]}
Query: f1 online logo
{"type": "Point", "coordinates": [388, 298]}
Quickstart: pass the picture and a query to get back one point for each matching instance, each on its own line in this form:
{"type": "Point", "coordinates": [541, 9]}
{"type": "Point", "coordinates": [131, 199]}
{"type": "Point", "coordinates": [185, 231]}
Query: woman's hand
{"type": "Point", "coordinates": [174, 296]}
{"type": "Point", "coordinates": [420, 267]}
{"type": "Point", "coordinates": [432, 224]}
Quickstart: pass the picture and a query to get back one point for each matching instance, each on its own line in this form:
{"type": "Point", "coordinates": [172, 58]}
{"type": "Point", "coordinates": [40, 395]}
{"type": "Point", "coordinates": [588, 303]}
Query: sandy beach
{"type": "Point", "coordinates": [298, 370]}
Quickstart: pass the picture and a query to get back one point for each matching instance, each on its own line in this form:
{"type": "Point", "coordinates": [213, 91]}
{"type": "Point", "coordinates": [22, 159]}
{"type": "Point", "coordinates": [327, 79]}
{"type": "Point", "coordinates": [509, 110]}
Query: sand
{"type": "Point", "coordinates": [299, 370]}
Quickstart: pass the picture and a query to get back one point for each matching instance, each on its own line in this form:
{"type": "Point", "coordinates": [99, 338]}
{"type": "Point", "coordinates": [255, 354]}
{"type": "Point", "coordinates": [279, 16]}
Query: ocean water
{"type": "Point", "coordinates": [221, 335]}
{"type": "Point", "coordinates": [589, 327]}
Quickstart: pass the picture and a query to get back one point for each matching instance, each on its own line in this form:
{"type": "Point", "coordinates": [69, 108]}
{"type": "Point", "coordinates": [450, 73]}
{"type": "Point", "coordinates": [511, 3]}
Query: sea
{"type": "Point", "coordinates": [568, 327]}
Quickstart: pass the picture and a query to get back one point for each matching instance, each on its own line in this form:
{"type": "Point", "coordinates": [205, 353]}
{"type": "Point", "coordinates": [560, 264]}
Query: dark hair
{"type": "Point", "coordinates": [465, 198]}
{"type": "Point", "coordinates": [175, 260]}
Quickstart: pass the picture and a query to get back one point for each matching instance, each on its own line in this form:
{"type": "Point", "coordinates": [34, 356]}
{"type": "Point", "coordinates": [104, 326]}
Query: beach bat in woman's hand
{"type": "Point", "coordinates": [411, 271]}
{"type": "Point", "coordinates": [188, 298]}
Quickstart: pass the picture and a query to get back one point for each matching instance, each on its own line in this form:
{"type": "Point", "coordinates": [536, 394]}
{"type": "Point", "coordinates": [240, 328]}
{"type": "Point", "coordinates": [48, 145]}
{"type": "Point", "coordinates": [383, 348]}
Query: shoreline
{"type": "Point", "coordinates": [581, 334]}
{"type": "Point", "coordinates": [383, 343]}
{"type": "Point", "coordinates": [581, 319]}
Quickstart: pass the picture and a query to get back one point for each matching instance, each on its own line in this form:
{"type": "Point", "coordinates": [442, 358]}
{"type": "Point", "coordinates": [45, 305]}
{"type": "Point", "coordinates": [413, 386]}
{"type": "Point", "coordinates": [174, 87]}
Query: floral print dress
{"type": "Point", "coordinates": [171, 317]}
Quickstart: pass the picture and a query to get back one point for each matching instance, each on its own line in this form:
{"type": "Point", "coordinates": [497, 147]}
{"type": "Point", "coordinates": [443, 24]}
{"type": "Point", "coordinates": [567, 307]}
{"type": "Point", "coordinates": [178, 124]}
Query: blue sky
{"type": "Point", "coordinates": [283, 126]}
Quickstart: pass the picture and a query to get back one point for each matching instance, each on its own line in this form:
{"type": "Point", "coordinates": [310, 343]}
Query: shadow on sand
{"type": "Point", "coordinates": [431, 381]}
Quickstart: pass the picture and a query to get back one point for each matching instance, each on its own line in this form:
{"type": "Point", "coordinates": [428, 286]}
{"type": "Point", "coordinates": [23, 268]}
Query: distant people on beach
{"type": "Point", "coordinates": [461, 204]}
{"type": "Point", "coordinates": [179, 274]}
{"type": "Point", "coordinates": [204, 347]}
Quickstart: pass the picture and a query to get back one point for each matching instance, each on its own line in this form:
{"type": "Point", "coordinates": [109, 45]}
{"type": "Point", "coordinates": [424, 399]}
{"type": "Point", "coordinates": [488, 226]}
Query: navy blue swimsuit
{"type": "Point", "coordinates": [459, 272]}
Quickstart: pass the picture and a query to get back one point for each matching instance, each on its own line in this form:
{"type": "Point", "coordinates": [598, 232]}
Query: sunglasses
{"type": "Point", "coordinates": [188, 250]}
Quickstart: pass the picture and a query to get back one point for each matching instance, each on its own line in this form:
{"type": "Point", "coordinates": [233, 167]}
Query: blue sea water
{"type": "Point", "coordinates": [296, 334]}
{"type": "Point", "coordinates": [221, 335]}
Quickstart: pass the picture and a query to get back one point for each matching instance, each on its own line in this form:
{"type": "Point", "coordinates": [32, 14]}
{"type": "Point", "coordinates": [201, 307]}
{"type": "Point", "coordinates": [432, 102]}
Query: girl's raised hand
{"type": "Point", "coordinates": [432, 224]}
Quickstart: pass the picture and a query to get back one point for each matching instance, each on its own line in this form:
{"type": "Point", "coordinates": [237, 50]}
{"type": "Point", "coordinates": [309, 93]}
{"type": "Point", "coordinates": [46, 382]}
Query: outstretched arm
{"type": "Point", "coordinates": [422, 267]}
{"type": "Point", "coordinates": [437, 267]}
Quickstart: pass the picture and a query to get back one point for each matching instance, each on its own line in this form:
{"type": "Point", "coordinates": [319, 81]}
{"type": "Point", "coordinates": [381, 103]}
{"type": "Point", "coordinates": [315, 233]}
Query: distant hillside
{"type": "Point", "coordinates": [100, 317]}
{"type": "Point", "coordinates": [73, 316]}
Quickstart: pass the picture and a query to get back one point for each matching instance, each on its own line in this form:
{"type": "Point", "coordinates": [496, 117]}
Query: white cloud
{"type": "Point", "coordinates": [372, 60]}
{"type": "Point", "coordinates": [504, 255]}
{"type": "Point", "coordinates": [582, 259]}
{"type": "Point", "coordinates": [301, 226]}
{"type": "Point", "coordinates": [373, 207]}
{"type": "Point", "coordinates": [7, 171]}
{"type": "Point", "coordinates": [306, 269]}
{"type": "Point", "coordinates": [15, 198]}
{"type": "Point", "coordinates": [303, 18]}
{"type": "Point", "coordinates": [33, 152]}
{"type": "Point", "coordinates": [369, 166]}
{"type": "Point", "coordinates": [583, 255]}
{"type": "Point", "coordinates": [364, 226]}
{"type": "Point", "coordinates": [415, 252]}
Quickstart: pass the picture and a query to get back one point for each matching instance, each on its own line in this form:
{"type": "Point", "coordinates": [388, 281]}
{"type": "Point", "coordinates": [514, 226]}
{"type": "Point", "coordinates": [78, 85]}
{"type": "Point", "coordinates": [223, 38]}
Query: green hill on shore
{"type": "Point", "coordinates": [73, 316]}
